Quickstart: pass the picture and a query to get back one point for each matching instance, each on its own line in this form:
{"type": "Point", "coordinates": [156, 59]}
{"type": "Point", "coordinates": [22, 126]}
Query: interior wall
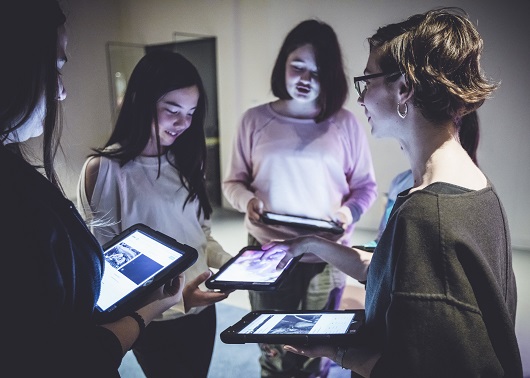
{"type": "Point", "coordinates": [249, 34]}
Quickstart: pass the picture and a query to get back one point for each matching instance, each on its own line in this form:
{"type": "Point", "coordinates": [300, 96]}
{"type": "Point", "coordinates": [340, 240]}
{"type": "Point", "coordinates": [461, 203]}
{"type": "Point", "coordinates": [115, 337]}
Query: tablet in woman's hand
{"type": "Point", "coordinates": [302, 222]}
{"type": "Point", "coordinates": [137, 262]}
{"type": "Point", "coordinates": [302, 327]}
{"type": "Point", "coordinates": [249, 270]}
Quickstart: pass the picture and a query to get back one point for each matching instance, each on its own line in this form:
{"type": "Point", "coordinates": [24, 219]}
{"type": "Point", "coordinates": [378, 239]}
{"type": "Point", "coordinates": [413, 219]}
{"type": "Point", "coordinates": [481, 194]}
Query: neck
{"type": "Point", "coordinates": [429, 147]}
{"type": "Point", "coordinates": [151, 150]}
{"type": "Point", "coordinates": [296, 109]}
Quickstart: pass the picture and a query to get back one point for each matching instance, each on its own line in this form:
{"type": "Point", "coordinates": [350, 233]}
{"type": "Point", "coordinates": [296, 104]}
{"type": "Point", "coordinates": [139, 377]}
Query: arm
{"type": "Point", "coordinates": [216, 256]}
{"type": "Point", "coordinates": [353, 262]}
{"type": "Point", "coordinates": [91, 176]}
{"type": "Point", "coordinates": [237, 182]}
{"type": "Point", "coordinates": [85, 187]}
{"type": "Point", "coordinates": [360, 174]}
{"type": "Point", "coordinates": [127, 329]}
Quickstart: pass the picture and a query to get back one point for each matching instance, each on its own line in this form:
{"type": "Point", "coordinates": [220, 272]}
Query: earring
{"type": "Point", "coordinates": [404, 114]}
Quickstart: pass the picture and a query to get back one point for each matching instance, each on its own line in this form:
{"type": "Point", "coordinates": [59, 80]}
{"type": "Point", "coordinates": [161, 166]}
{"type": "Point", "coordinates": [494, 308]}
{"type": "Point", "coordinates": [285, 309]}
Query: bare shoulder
{"type": "Point", "coordinates": [91, 175]}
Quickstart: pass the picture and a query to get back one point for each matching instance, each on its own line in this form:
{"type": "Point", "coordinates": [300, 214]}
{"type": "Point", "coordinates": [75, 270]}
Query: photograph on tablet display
{"type": "Point", "coordinates": [249, 270]}
{"type": "Point", "coordinates": [299, 326]}
{"type": "Point", "coordinates": [136, 262]}
{"type": "Point", "coordinates": [250, 267]}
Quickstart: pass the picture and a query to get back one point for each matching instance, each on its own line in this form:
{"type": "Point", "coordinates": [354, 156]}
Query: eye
{"type": "Point", "coordinates": [170, 111]}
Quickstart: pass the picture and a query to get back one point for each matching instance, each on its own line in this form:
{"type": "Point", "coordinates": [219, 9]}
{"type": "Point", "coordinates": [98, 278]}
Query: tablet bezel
{"type": "Point", "coordinates": [132, 301]}
{"type": "Point", "coordinates": [231, 334]}
{"type": "Point", "coordinates": [213, 283]}
{"type": "Point", "coordinates": [301, 222]}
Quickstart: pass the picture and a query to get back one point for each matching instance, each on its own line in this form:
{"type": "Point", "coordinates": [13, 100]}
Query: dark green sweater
{"type": "Point", "coordinates": [441, 294]}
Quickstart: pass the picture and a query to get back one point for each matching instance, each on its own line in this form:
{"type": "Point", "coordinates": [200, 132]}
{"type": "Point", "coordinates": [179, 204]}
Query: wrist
{"type": "Point", "coordinates": [141, 324]}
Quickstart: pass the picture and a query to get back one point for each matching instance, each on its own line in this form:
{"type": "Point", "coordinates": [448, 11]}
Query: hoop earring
{"type": "Point", "coordinates": [404, 114]}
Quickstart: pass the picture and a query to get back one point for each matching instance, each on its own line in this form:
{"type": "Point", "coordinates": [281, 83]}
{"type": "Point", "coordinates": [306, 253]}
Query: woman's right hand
{"type": "Point", "coordinates": [291, 248]}
{"type": "Point", "coordinates": [195, 297]}
{"type": "Point", "coordinates": [255, 209]}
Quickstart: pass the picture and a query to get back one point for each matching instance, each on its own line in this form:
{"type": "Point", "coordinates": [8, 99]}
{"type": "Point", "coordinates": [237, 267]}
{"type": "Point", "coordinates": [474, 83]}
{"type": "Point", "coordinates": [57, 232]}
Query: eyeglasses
{"type": "Point", "coordinates": [360, 81]}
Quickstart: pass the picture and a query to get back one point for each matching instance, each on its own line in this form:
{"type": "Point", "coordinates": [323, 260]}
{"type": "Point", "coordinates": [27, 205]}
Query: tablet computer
{"type": "Point", "coordinates": [302, 222]}
{"type": "Point", "coordinates": [249, 271]}
{"type": "Point", "coordinates": [137, 262]}
{"type": "Point", "coordinates": [302, 327]}
{"type": "Point", "coordinates": [365, 247]}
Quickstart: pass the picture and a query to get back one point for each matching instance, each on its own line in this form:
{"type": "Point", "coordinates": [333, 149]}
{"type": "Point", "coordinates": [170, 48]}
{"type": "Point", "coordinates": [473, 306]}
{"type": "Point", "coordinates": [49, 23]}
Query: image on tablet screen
{"type": "Point", "coordinates": [250, 267]}
{"type": "Point", "coordinates": [317, 323]}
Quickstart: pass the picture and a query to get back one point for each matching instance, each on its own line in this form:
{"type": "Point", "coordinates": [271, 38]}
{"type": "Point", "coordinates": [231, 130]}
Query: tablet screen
{"type": "Point", "coordinates": [249, 267]}
{"type": "Point", "coordinates": [299, 323]}
{"type": "Point", "coordinates": [131, 263]}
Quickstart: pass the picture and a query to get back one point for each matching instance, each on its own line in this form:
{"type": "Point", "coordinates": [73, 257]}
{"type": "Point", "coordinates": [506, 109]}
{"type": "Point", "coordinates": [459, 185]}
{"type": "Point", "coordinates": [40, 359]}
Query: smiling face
{"type": "Point", "coordinates": [175, 112]}
{"type": "Point", "coordinates": [301, 74]}
{"type": "Point", "coordinates": [380, 100]}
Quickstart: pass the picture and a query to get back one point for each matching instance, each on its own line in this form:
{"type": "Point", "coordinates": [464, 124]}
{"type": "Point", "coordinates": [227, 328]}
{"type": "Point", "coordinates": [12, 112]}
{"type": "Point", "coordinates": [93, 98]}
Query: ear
{"type": "Point", "coordinates": [405, 90]}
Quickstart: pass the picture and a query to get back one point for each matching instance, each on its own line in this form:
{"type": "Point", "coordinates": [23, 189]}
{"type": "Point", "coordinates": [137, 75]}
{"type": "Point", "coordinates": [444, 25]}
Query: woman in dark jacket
{"type": "Point", "coordinates": [52, 265]}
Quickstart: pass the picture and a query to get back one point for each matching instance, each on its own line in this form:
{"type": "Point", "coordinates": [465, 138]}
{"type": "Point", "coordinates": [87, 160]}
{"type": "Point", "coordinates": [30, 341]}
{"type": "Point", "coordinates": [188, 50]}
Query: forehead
{"type": "Point", "coordinates": [302, 53]}
{"type": "Point", "coordinates": [188, 96]}
{"type": "Point", "coordinates": [372, 65]}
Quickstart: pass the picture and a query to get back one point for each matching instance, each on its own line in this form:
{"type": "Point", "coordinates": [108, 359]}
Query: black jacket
{"type": "Point", "coordinates": [51, 276]}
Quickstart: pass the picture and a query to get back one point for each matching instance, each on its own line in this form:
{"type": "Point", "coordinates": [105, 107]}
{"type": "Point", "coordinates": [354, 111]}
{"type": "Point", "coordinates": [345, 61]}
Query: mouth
{"type": "Point", "coordinates": [172, 133]}
{"type": "Point", "coordinates": [303, 89]}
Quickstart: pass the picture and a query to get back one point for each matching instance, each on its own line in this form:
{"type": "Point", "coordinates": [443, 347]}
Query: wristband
{"type": "Point", "coordinates": [141, 323]}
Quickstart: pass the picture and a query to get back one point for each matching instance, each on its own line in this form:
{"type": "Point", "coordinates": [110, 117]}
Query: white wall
{"type": "Point", "coordinates": [249, 34]}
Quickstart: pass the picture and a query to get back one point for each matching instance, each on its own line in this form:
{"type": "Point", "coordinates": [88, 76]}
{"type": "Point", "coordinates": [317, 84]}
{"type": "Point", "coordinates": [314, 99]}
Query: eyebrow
{"type": "Point", "coordinates": [175, 104]}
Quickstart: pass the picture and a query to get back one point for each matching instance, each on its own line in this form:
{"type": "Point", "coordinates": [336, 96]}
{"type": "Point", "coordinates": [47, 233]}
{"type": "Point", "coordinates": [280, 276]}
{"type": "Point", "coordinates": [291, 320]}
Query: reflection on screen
{"type": "Point", "coordinates": [317, 323]}
{"type": "Point", "coordinates": [250, 267]}
{"type": "Point", "coordinates": [131, 263]}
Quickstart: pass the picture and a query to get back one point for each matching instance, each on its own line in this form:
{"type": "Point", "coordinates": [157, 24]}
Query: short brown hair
{"type": "Point", "coordinates": [439, 54]}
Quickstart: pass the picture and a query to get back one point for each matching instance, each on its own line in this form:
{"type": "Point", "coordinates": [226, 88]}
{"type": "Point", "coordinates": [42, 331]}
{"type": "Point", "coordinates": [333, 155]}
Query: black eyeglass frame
{"type": "Point", "coordinates": [358, 79]}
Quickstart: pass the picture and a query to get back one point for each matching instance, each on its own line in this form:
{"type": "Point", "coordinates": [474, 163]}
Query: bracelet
{"type": "Point", "coordinates": [141, 322]}
{"type": "Point", "coordinates": [339, 356]}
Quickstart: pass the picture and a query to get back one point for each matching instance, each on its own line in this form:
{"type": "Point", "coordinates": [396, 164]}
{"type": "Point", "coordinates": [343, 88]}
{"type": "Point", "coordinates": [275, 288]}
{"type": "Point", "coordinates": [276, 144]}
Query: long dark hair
{"type": "Point", "coordinates": [333, 82]}
{"type": "Point", "coordinates": [156, 74]}
{"type": "Point", "coordinates": [28, 33]}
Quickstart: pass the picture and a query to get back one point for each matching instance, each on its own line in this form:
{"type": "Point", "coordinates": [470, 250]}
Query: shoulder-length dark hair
{"type": "Point", "coordinates": [28, 33]}
{"type": "Point", "coordinates": [333, 82]}
{"type": "Point", "coordinates": [157, 73]}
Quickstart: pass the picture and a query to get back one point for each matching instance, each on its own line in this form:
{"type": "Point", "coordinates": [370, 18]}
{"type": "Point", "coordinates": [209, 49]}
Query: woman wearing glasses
{"type": "Point", "coordinates": [440, 292]}
{"type": "Point", "coordinates": [305, 155]}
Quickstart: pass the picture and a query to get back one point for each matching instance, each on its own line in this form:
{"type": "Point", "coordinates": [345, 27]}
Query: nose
{"type": "Point", "coordinates": [183, 121]}
{"type": "Point", "coordinates": [360, 99]}
{"type": "Point", "coordinates": [305, 76]}
{"type": "Point", "coordinates": [61, 90]}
